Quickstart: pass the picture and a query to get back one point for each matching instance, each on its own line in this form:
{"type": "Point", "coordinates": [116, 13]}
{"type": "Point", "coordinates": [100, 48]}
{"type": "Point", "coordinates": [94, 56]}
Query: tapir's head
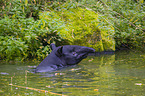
{"type": "Point", "coordinates": [72, 54]}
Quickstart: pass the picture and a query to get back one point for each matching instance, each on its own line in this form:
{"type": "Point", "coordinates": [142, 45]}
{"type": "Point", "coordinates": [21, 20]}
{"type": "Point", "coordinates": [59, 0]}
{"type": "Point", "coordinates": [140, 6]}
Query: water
{"type": "Point", "coordinates": [121, 74]}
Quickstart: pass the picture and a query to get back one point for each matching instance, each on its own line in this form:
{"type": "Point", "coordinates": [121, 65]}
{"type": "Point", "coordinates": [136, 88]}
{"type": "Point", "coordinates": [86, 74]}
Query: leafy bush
{"type": "Point", "coordinates": [23, 37]}
{"type": "Point", "coordinates": [12, 48]}
{"type": "Point", "coordinates": [127, 17]}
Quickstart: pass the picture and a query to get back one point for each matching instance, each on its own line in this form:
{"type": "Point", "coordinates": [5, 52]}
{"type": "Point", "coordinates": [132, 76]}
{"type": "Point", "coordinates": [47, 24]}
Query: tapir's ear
{"type": "Point", "coordinates": [52, 46]}
{"type": "Point", "coordinates": [59, 52]}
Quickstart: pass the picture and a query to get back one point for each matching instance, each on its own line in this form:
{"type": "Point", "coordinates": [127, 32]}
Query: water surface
{"type": "Point", "coordinates": [120, 74]}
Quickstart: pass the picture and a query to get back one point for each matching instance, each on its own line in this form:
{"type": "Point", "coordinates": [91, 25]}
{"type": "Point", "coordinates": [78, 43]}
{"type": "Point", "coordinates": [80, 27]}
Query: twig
{"type": "Point", "coordinates": [37, 89]}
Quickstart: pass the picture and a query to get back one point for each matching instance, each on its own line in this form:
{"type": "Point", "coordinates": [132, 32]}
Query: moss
{"type": "Point", "coordinates": [87, 29]}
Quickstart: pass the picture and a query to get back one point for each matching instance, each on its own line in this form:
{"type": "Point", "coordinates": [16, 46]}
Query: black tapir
{"type": "Point", "coordinates": [63, 56]}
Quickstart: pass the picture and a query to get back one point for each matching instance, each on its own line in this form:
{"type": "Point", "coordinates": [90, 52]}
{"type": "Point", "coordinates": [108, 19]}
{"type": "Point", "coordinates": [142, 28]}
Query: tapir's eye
{"type": "Point", "coordinates": [74, 53]}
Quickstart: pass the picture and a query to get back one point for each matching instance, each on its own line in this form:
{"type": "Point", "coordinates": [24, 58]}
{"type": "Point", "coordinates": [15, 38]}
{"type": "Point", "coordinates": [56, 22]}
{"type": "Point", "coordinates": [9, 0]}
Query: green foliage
{"type": "Point", "coordinates": [23, 38]}
{"type": "Point", "coordinates": [27, 27]}
{"type": "Point", "coordinates": [130, 25]}
{"type": "Point", "coordinates": [19, 35]}
{"type": "Point", "coordinates": [12, 48]}
{"type": "Point", "coordinates": [127, 17]}
{"type": "Point", "coordinates": [53, 23]}
{"type": "Point", "coordinates": [32, 35]}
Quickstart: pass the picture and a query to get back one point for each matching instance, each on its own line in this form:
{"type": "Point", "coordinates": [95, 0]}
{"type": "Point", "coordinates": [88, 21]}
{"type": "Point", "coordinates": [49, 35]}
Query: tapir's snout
{"type": "Point", "coordinates": [87, 50]}
{"type": "Point", "coordinates": [83, 52]}
{"type": "Point", "coordinates": [91, 50]}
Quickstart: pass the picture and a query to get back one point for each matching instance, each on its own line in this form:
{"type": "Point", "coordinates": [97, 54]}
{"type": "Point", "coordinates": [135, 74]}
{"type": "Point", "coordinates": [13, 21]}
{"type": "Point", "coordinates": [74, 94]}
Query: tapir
{"type": "Point", "coordinates": [63, 56]}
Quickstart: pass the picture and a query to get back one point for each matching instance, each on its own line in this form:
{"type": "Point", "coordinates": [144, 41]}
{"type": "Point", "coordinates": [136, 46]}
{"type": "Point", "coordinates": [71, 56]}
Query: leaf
{"type": "Point", "coordinates": [26, 2]}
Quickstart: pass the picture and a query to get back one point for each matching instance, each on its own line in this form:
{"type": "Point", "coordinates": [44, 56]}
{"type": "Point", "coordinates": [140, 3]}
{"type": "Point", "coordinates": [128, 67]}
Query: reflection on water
{"type": "Point", "coordinates": [121, 74]}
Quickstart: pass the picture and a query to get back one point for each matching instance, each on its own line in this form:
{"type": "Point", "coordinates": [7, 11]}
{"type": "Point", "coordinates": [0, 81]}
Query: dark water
{"type": "Point", "coordinates": [121, 74]}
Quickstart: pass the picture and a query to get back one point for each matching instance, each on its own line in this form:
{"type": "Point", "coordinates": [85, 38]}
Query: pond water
{"type": "Point", "coordinates": [119, 74]}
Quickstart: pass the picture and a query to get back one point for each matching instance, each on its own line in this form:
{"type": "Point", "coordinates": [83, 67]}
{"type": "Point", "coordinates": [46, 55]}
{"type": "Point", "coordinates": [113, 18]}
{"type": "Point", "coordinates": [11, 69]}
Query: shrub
{"type": "Point", "coordinates": [127, 17]}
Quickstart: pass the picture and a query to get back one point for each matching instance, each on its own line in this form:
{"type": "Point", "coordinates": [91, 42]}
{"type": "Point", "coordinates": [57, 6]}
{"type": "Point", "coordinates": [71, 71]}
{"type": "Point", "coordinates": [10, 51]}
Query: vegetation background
{"type": "Point", "coordinates": [27, 27]}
